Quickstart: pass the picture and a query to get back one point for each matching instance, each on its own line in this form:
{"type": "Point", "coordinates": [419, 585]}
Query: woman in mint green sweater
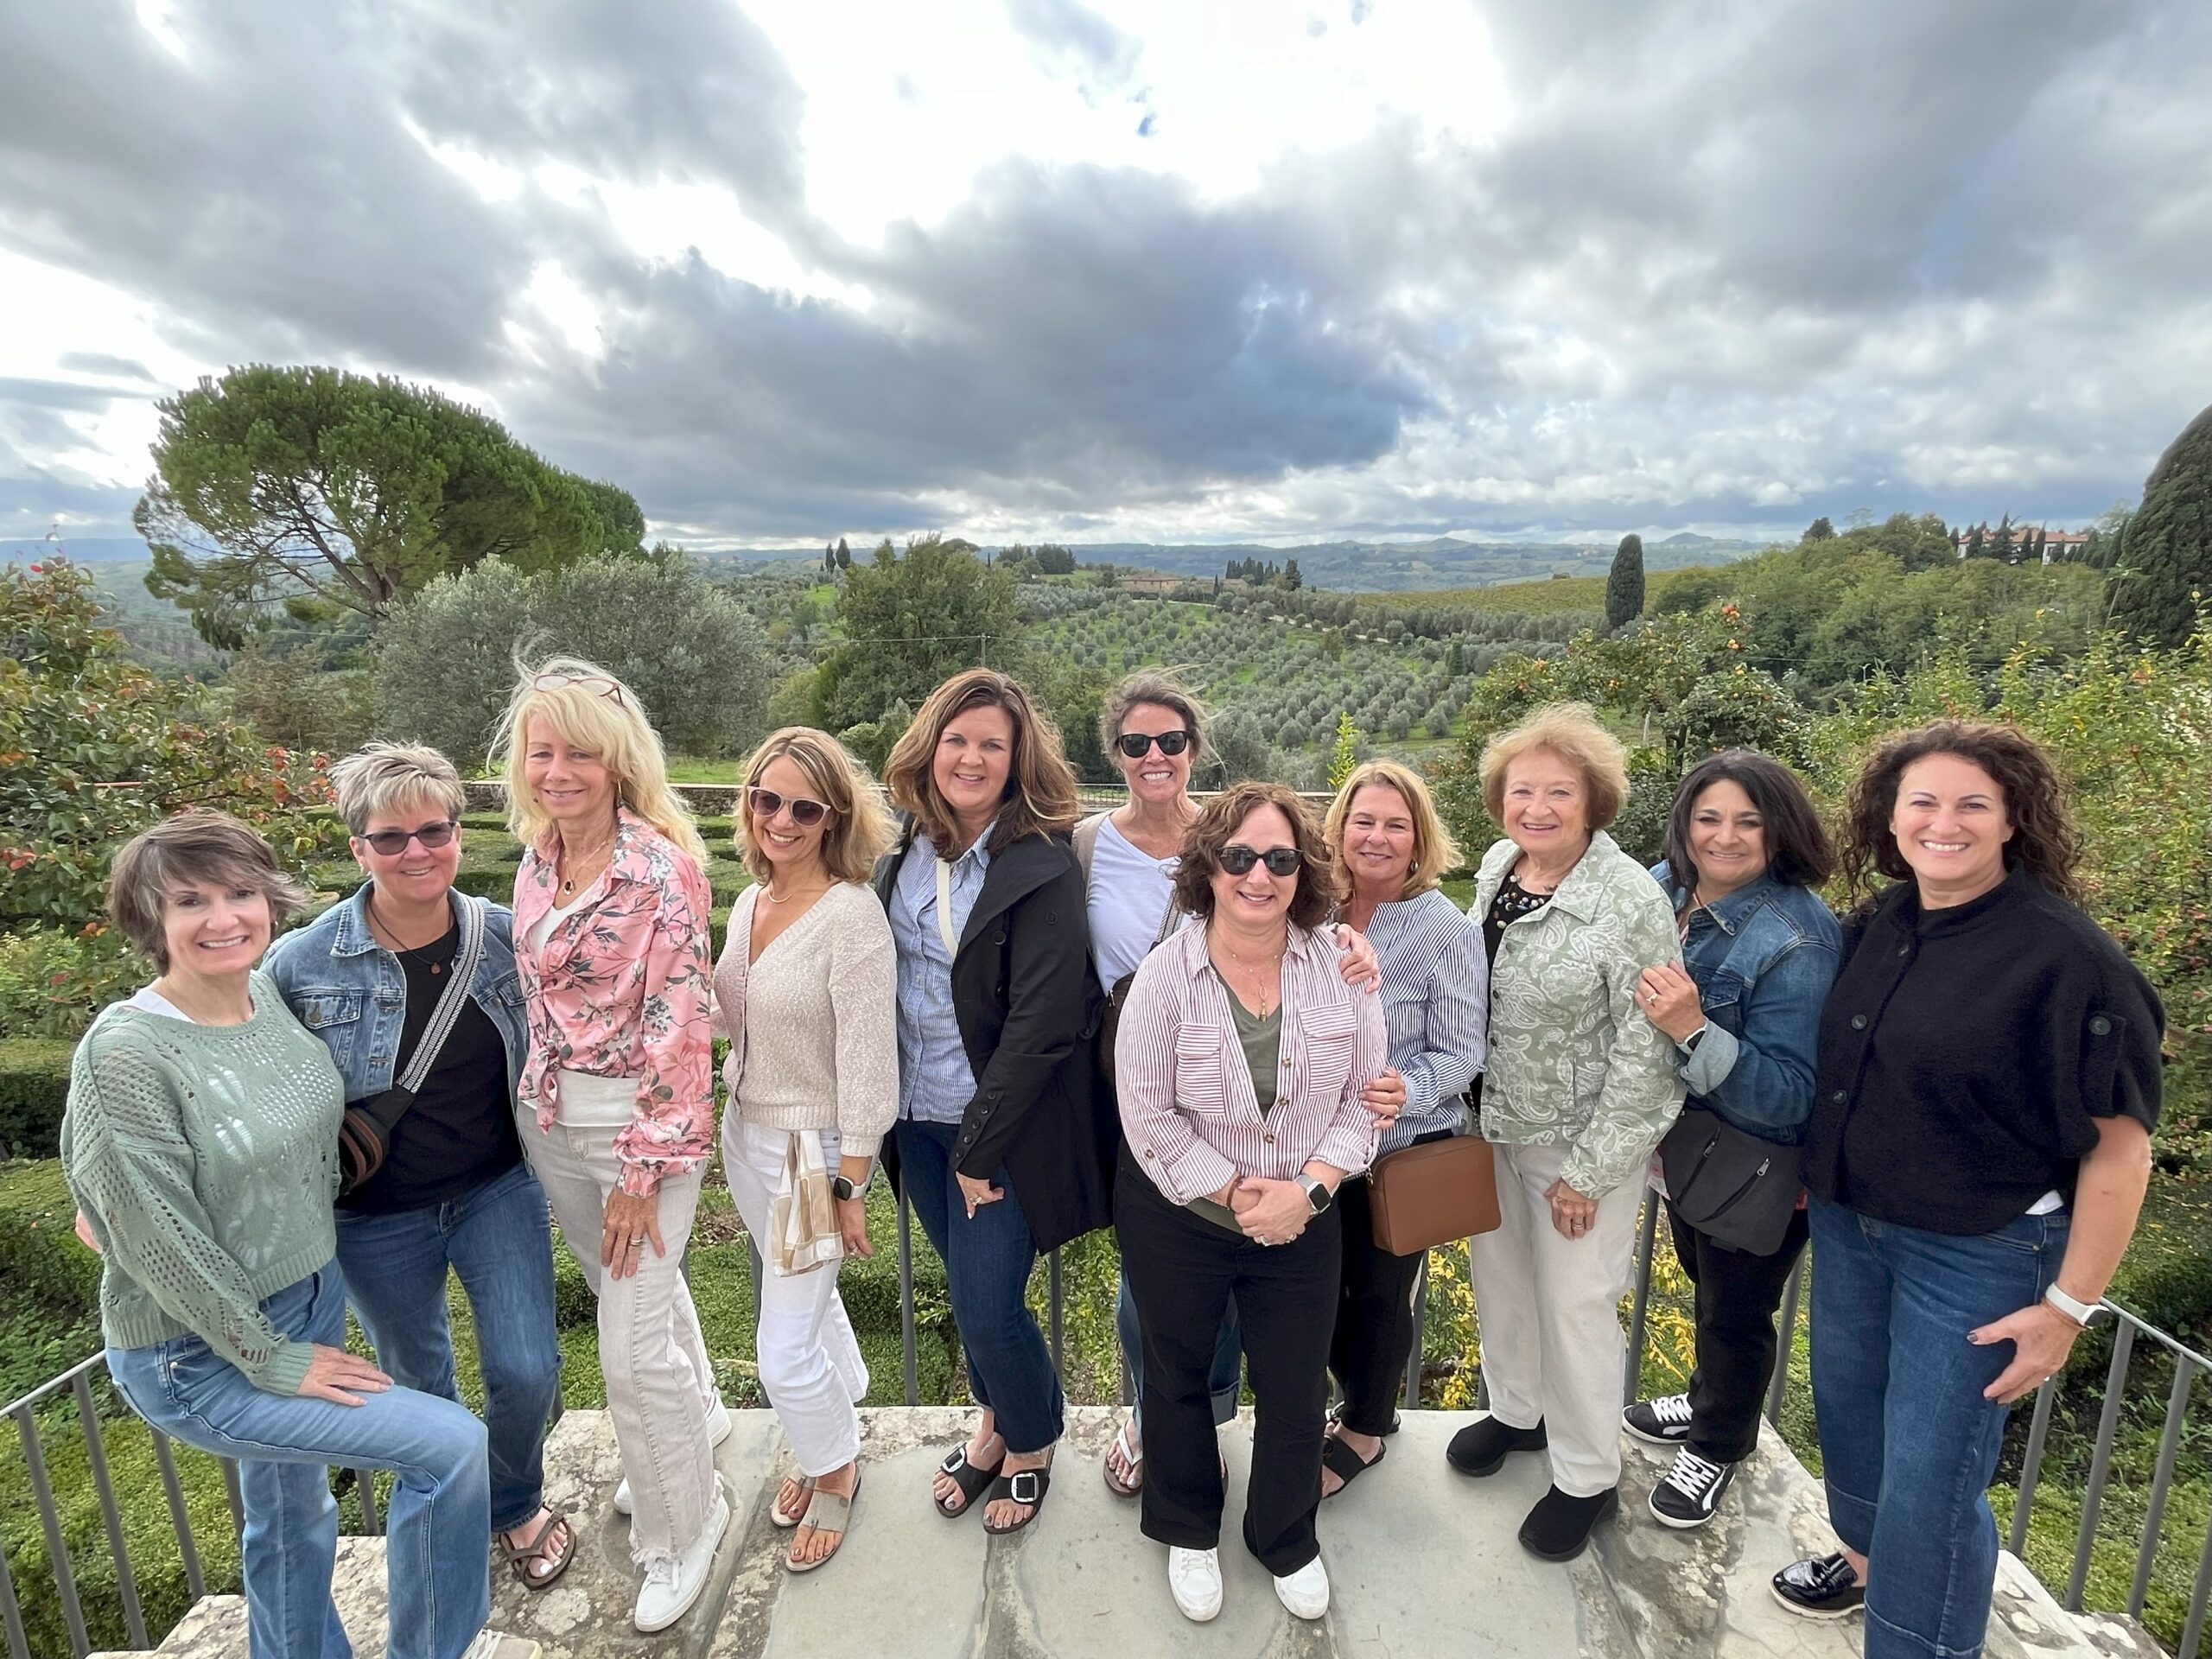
{"type": "Point", "coordinates": [201, 1144]}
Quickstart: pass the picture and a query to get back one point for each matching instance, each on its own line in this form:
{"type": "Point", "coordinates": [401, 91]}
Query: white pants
{"type": "Point", "coordinates": [810, 1364]}
{"type": "Point", "coordinates": [659, 1383]}
{"type": "Point", "coordinates": [1548, 1308]}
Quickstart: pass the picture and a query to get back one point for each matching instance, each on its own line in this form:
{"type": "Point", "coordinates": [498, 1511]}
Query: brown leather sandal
{"type": "Point", "coordinates": [541, 1548]}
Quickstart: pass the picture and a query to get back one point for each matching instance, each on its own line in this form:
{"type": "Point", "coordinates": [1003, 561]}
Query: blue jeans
{"type": "Point", "coordinates": [987, 1261]}
{"type": "Point", "coordinates": [1897, 1397]}
{"type": "Point", "coordinates": [496, 1239]}
{"type": "Point", "coordinates": [1225, 1378]}
{"type": "Point", "coordinates": [440, 1516]}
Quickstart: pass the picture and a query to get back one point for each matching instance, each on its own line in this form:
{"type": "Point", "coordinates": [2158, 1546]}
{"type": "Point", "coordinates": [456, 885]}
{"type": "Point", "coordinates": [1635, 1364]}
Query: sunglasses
{"type": "Point", "coordinates": [1137, 745]}
{"type": "Point", "coordinates": [432, 836]}
{"type": "Point", "coordinates": [1238, 860]}
{"type": "Point", "coordinates": [598, 684]}
{"type": "Point", "coordinates": [766, 803]}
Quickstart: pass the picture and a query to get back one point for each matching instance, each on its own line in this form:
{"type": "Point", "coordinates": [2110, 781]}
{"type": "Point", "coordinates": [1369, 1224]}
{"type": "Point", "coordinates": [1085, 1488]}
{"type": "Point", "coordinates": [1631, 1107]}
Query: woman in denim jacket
{"type": "Point", "coordinates": [1761, 950]}
{"type": "Point", "coordinates": [454, 1191]}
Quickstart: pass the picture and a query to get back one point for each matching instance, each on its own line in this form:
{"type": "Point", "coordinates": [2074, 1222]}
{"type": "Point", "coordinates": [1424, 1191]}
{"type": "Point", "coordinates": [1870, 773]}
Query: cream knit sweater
{"type": "Point", "coordinates": [813, 1025]}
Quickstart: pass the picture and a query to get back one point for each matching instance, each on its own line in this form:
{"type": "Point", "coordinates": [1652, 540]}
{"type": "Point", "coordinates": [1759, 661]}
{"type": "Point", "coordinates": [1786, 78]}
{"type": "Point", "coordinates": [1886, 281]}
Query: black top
{"type": "Point", "coordinates": [460, 1131]}
{"type": "Point", "coordinates": [1966, 1053]}
{"type": "Point", "coordinates": [1512, 903]}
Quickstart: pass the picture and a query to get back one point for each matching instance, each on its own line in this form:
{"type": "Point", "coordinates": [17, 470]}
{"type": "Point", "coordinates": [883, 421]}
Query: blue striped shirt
{"type": "Point", "coordinates": [1436, 1005]}
{"type": "Point", "coordinates": [935, 1082]}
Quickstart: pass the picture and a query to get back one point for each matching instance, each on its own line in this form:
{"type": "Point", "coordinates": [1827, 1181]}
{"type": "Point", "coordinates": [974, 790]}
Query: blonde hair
{"type": "Point", "coordinates": [198, 844]}
{"type": "Point", "coordinates": [589, 708]}
{"type": "Point", "coordinates": [858, 830]}
{"type": "Point", "coordinates": [1039, 786]}
{"type": "Point", "coordinates": [1434, 851]}
{"type": "Point", "coordinates": [1571, 731]}
{"type": "Point", "coordinates": [382, 777]}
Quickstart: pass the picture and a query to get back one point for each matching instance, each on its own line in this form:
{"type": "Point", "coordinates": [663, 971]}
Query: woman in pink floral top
{"type": "Point", "coordinates": [616, 1105]}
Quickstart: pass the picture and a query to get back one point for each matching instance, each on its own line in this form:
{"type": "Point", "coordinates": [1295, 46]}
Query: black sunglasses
{"type": "Point", "coordinates": [1238, 860]}
{"type": "Point", "coordinates": [432, 836]}
{"type": "Point", "coordinates": [766, 803]}
{"type": "Point", "coordinates": [1137, 745]}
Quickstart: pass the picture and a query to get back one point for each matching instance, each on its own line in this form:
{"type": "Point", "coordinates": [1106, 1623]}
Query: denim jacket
{"type": "Point", "coordinates": [351, 992]}
{"type": "Point", "coordinates": [1763, 958]}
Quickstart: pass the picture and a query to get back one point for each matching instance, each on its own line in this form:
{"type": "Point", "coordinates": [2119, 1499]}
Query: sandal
{"type": "Point", "coordinates": [968, 1476]}
{"type": "Point", "coordinates": [1397, 1420]}
{"type": "Point", "coordinates": [541, 1548]}
{"type": "Point", "coordinates": [1008, 1487]}
{"type": "Point", "coordinates": [1346, 1464]}
{"type": "Point", "coordinates": [781, 1518]}
{"type": "Point", "coordinates": [1128, 1448]}
{"type": "Point", "coordinates": [826, 1511]}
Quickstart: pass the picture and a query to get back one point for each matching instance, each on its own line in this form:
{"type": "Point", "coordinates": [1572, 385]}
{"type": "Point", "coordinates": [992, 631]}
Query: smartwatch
{"type": "Point", "coordinates": [1688, 1045]}
{"type": "Point", "coordinates": [1317, 1196]}
{"type": "Point", "coordinates": [2082, 1313]}
{"type": "Point", "coordinates": [844, 1191]}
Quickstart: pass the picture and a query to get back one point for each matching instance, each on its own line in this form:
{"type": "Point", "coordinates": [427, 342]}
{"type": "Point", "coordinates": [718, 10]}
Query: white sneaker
{"type": "Point", "coordinates": [719, 1424]}
{"type": "Point", "coordinates": [1306, 1591]}
{"type": "Point", "coordinates": [496, 1645]}
{"type": "Point", "coordinates": [1194, 1579]}
{"type": "Point", "coordinates": [673, 1587]}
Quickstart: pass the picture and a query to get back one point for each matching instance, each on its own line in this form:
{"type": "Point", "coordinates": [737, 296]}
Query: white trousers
{"type": "Point", "coordinates": [659, 1381]}
{"type": "Point", "coordinates": [810, 1364]}
{"type": "Point", "coordinates": [1548, 1308]}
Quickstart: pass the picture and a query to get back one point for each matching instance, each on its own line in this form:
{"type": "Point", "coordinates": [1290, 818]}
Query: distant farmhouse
{"type": "Point", "coordinates": [2056, 545]}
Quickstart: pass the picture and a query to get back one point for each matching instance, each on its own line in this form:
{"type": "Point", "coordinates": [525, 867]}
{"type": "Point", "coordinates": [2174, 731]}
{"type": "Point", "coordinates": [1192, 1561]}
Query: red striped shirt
{"type": "Point", "coordinates": [1187, 1104]}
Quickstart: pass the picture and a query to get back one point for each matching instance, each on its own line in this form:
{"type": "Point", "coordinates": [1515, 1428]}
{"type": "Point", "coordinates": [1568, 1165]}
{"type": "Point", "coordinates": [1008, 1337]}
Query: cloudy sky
{"type": "Point", "coordinates": [1282, 268]}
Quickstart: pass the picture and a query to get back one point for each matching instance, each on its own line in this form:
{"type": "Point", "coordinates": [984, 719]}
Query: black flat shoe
{"type": "Point", "coordinates": [1481, 1449]}
{"type": "Point", "coordinates": [1559, 1527]}
{"type": "Point", "coordinates": [1820, 1586]}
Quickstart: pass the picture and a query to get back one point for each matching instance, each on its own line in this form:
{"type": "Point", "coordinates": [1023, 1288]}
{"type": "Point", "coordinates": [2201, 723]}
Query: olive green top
{"type": "Point", "coordinates": [1262, 1042]}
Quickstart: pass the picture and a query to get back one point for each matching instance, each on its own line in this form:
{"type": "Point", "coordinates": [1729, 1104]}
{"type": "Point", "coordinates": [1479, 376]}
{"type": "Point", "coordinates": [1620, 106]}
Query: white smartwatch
{"type": "Point", "coordinates": [2082, 1313]}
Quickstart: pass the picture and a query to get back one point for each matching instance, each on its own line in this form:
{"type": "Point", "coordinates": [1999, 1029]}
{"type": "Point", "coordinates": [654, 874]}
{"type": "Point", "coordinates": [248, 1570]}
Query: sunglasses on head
{"type": "Point", "coordinates": [432, 836]}
{"type": "Point", "coordinates": [597, 685]}
{"type": "Point", "coordinates": [1137, 745]}
{"type": "Point", "coordinates": [1238, 860]}
{"type": "Point", "coordinates": [766, 803]}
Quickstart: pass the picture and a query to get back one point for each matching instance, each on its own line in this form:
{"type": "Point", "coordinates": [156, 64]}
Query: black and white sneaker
{"type": "Point", "coordinates": [1663, 1422]}
{"type": "Point", "coordinates": [1822, 1587]}
{"type": "Point", "coordinates": [1691, 1491]}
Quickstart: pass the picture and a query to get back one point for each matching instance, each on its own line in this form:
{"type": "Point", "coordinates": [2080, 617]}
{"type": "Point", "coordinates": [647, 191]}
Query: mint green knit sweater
{"type": "Point", "coordinates": [205, 1158]}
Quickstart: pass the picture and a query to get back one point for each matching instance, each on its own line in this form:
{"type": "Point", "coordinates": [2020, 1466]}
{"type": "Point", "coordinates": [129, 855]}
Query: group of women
{"type": "Point", "coordinates": [1202, 1023]}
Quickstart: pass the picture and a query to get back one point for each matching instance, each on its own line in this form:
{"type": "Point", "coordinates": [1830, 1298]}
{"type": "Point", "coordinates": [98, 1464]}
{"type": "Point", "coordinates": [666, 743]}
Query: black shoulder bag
{"type": "Point", "coordinates": [364, 1134]}
{"type": "Point", "coordinates": [1731, 1185]}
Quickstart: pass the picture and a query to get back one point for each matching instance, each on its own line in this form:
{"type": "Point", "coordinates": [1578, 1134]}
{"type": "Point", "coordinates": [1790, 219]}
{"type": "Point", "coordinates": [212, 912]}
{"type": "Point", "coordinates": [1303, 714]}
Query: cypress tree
{"type": "Point", "coordinates": [1624, 583]}
{"type": "Point", "coordinates": [2167, 552]}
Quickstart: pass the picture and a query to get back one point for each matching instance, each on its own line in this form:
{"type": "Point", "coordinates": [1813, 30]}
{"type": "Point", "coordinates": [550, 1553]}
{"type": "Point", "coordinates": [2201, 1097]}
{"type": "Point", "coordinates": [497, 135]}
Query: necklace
{"type": "Point", "coordinates": [411, 953]}
{"type": "Point", "coordinates": [569, 882]}
{"type": "Point", "coordinates": [1260, 989]}
{"type": "Point", "coordinates": [769, 893]}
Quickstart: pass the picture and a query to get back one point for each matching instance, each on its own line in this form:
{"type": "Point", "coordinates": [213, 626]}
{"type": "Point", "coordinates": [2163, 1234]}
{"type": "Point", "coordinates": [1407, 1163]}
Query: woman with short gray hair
{"type": "Point", "coordinates": [453, 1192]}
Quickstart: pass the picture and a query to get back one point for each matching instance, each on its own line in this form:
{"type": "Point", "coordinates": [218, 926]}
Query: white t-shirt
{"type": "Point", "coordinates": [587, 1101]}
{"type": "Point", "coordinates": [147, 1000]}
{"type": "Point", "coordinates": [1129, 891]}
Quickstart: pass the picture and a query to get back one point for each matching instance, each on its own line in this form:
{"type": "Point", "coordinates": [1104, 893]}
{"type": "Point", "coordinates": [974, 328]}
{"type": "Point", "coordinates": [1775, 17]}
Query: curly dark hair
{"type": "Point", "coordinates": [2044, 839]}
{"type": "Point", "coordinates": [1320, 882]}
{"type": "Point", "coordinates": [1798, 852]}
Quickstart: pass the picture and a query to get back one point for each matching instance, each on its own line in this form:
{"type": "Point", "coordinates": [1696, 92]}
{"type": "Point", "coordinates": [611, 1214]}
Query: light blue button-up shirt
{"type": "Point", "coordinates": [935, 1082]}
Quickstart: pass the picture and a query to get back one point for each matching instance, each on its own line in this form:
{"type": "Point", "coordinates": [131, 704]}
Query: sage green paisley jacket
{"type": "Point", "coordinates": [1573, 1061]}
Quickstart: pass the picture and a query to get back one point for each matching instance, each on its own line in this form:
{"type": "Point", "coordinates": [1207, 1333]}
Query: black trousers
{"type": "Point", "coordinates": [1375, 1318]}
{"type": "Point", "coordinates": [1182, 1269]}
{"type": "Point", "coordinates": [1737, 1295]}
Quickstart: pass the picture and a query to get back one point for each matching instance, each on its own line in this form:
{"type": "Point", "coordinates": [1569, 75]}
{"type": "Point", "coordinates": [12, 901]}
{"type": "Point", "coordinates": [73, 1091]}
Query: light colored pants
{"type": "Point", "coordinates": [1548, 1308]}
{"type": "Point", "coordinates": [659, 1383]}
{"type": "Point", "coordinates": [811, 1365]}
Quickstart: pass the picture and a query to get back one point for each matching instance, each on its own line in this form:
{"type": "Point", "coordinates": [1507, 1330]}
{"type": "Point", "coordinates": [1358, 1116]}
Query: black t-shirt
{"type": "Point", "coordinates": [460, 1132]}
{"type": "Point", "coordinates": [1967, 1053]}
{"type": "Point", "coordinates": [1512, 903]}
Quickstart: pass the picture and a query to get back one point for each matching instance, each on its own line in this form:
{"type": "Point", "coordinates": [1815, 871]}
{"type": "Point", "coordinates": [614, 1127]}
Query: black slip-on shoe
{"type": "Point", "coordinates": [1481, 1449]}
{"type": "Point", "coordinates": [1820, 1586]}
{"type": "Point", "coordinates": [1559, 1527]}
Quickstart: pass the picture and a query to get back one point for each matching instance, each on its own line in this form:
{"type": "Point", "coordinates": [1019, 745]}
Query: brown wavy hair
{"type": "Point", "coordinates": [2044, 839]}
{"type": "Point", "coordinates": [1321, 880]}
{"type": "Point", "coordinates": [1040, 786]}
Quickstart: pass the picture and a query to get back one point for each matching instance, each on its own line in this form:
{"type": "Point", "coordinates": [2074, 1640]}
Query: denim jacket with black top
{"type": "Point", "coordinates": [1763, 958]}
{"type": "Point", "coordinates": [351, 993]}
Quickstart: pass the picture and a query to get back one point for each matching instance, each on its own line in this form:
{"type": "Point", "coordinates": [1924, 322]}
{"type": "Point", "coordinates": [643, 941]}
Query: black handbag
{"type": "Point", "coordinates": [364, 1133]}
{"type": "Point", "coordinates": [1733, 1187]}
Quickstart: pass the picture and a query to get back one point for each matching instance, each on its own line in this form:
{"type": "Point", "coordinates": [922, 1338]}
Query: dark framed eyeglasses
{"type": "Point", "coordinates": [1238, 860]}
{"type": "Point", "coordinates": [432, 836]}
{"type": "Point", "coordinates": [1137, 745]}
{"type": "Point", "coordinates": [766, 803]}
{"type": "Point", "coordinates": [598, 684]}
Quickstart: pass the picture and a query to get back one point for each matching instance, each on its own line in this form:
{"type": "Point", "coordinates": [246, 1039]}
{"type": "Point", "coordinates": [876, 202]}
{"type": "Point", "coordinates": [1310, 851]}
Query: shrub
{"type": "Point", "coordinates": [33, 1088]}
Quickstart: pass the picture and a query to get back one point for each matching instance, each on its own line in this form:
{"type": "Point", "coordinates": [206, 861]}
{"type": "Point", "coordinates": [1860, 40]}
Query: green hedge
{"type": "Point", "coordinates": [33, 1088]}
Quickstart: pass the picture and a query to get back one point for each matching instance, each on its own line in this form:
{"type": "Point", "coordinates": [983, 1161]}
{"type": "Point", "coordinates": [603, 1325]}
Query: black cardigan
{"type": "Point", "coordinates": [1026, 997]}
{"type": "Point", "coordinates": [1966, 1053]}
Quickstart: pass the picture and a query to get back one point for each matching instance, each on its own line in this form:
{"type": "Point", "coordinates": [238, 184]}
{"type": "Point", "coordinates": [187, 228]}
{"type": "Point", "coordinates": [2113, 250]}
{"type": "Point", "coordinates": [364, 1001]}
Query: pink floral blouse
{"type": "Point", "coordinates": [624, 989]}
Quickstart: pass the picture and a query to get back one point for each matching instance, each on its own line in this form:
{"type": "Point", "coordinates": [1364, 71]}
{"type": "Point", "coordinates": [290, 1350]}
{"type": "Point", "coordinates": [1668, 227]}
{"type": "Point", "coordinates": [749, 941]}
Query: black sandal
{"type": "Point", "coordinates": [968, 1476]}
{"type": "Point", "coordinates": [1008, 1487]}
{"type": "Point", "coordinates": [1338, 1458]}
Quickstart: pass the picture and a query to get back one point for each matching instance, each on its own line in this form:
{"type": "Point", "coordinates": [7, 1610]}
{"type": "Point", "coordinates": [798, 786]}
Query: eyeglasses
{"type": "Point", "coordinates": [432, 836]}
{"type": "Point", "coordinates": [766, 803]}
{"type": "Point", "coordinates": [1137, 745]}
{"type": "Point", "coordinates": [1238, 860]}
{"type": "Point", "coordinates": [597, 685]}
